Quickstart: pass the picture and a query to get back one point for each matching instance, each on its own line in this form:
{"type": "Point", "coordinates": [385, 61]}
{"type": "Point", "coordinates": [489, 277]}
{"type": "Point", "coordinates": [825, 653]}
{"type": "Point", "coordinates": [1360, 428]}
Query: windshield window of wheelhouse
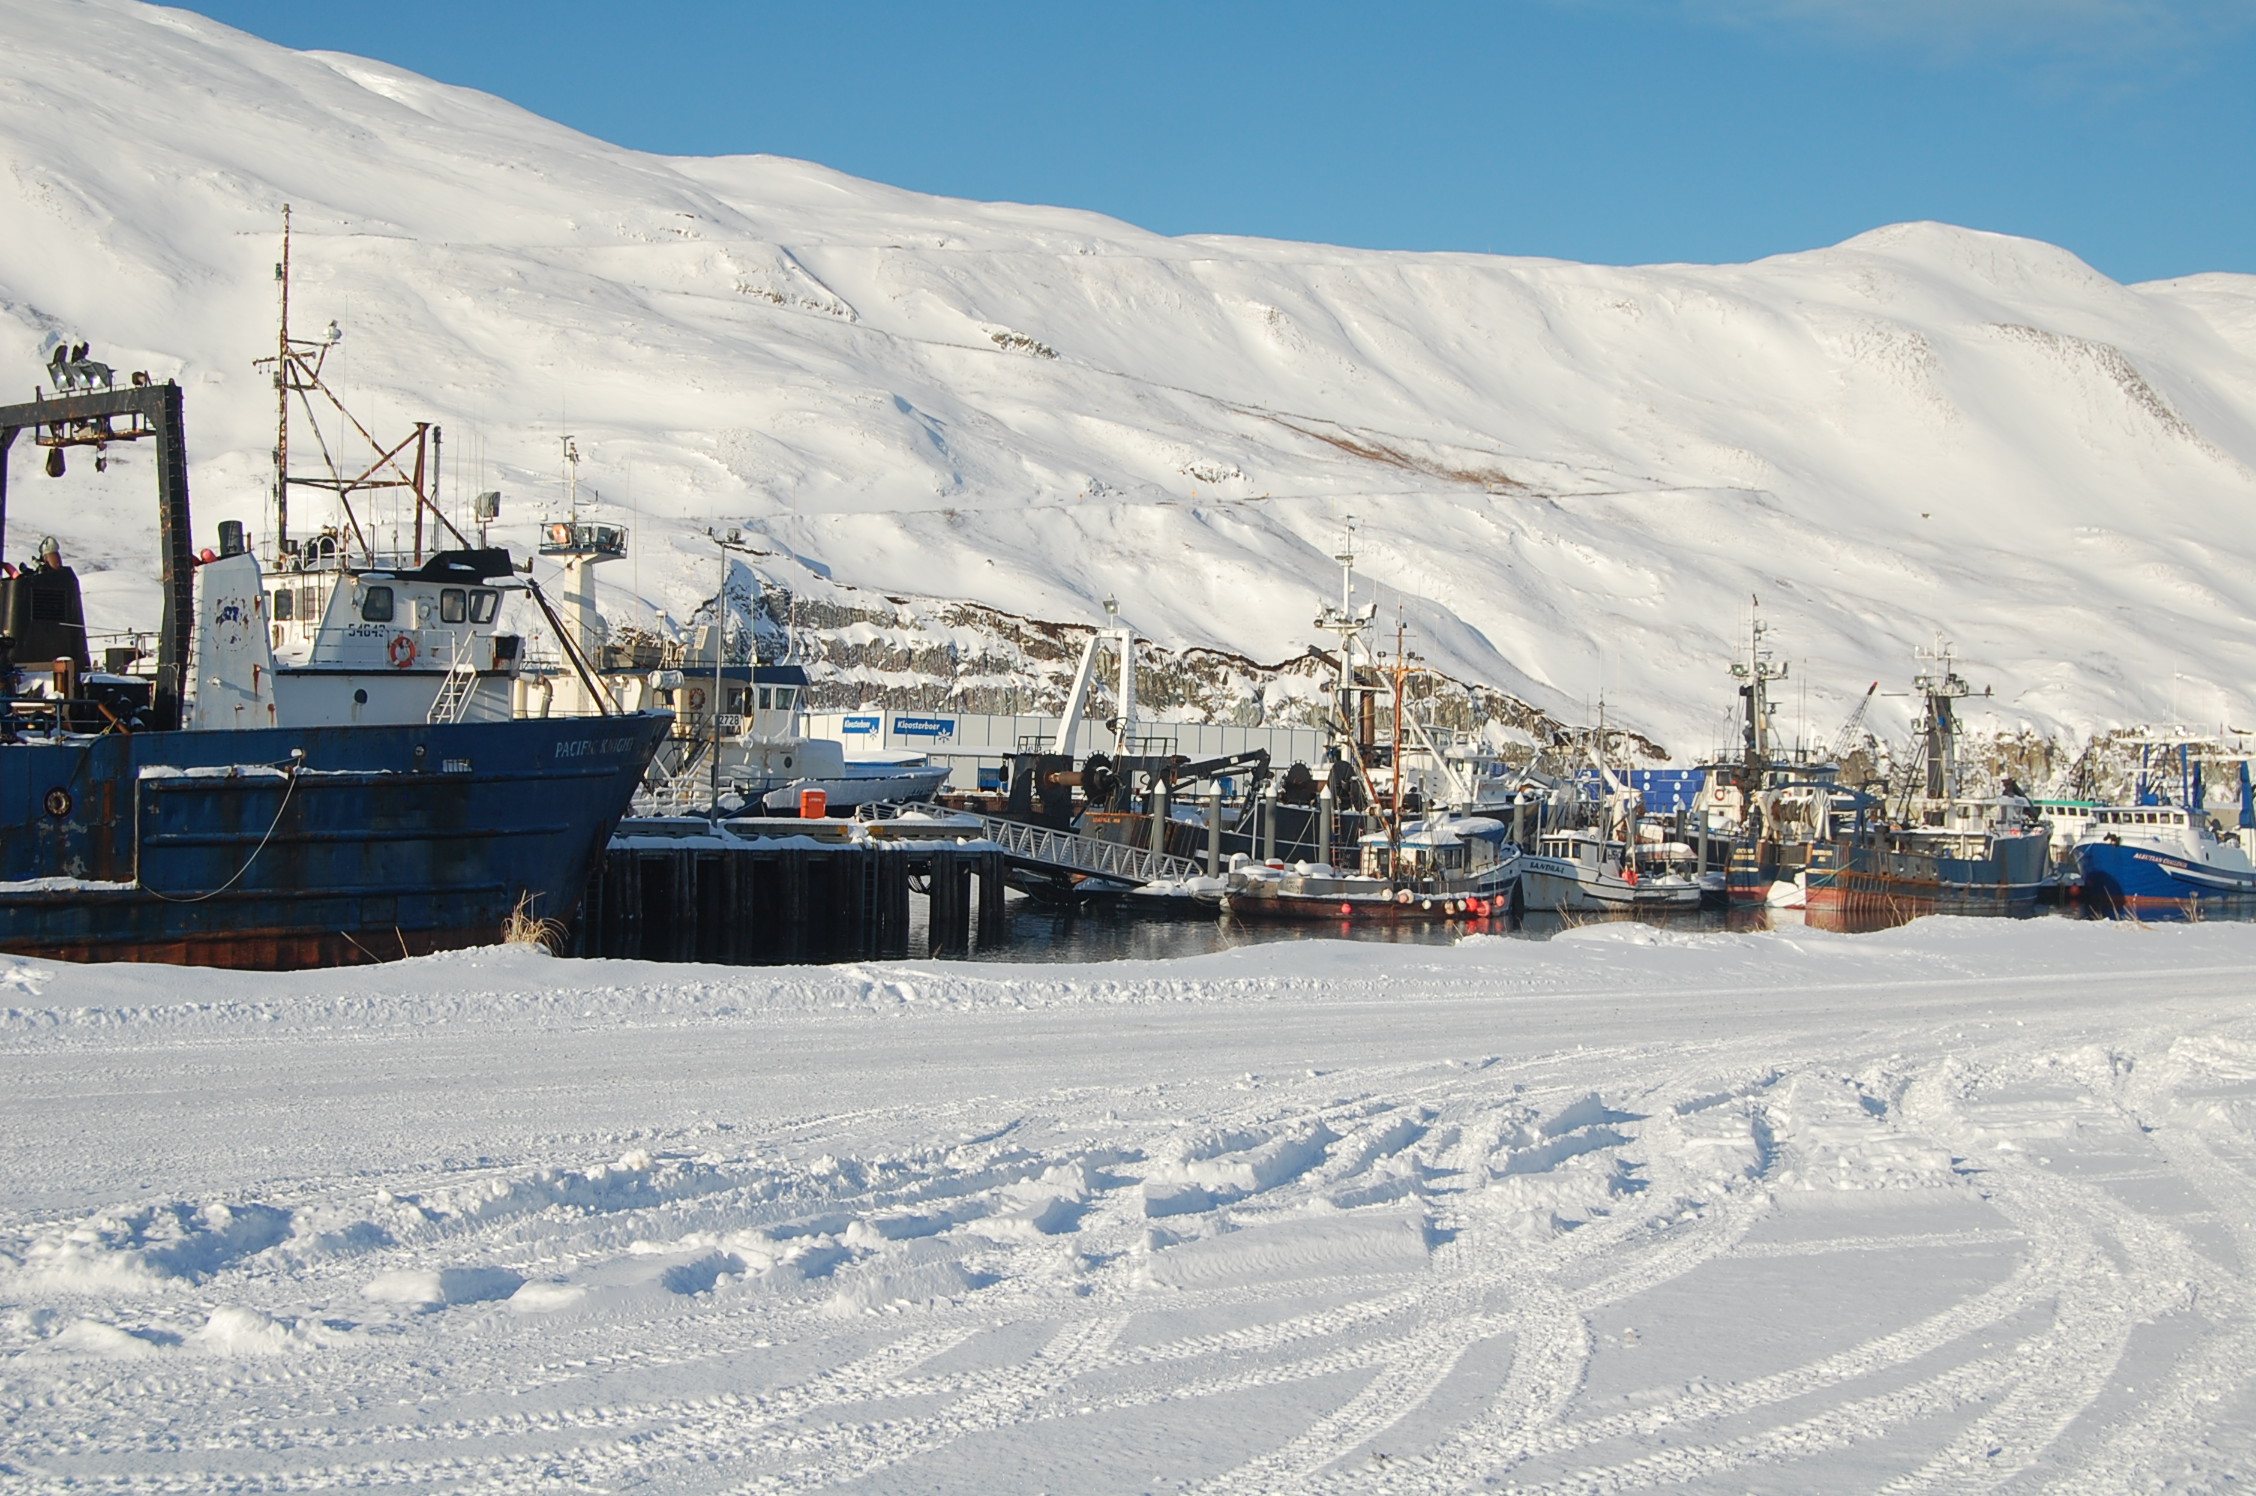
{"type": "Point", "coordinates": [483, 603]}
{"type": "Point", "coordinates": [453, 605]}
{"type": "Point", "coordinates": [376, 605]}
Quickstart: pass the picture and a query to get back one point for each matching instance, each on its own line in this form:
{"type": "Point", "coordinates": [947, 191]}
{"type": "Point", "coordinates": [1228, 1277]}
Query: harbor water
{"type": "Point", "coordinates": [1113, 931]}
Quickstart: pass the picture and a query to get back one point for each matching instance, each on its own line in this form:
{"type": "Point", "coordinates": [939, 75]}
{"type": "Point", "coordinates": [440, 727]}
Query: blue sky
{"type": "Point", "coordinates": [1623, 131]}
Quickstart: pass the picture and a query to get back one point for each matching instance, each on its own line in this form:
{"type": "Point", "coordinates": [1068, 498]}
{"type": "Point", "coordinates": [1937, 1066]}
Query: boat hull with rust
{"type": "Point", "coordinates": [280, 848]}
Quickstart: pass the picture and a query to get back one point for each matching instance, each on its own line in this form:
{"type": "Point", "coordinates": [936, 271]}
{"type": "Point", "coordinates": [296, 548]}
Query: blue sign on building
{"type": "Point", "coordinates": [939, 729]}
{"type": "Point", "coordinates": [1660, 789]}
{"type": "Point", "coordinates": [865, 725]}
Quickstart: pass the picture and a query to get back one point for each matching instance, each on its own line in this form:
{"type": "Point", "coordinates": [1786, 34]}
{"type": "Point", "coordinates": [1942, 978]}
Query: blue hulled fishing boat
{"type": "Point", "coordinates": [165, 808]}
{"type": "Point", "coordinates": [2162, 862]}
{"type": "Point", "coordinates": [2164, 856]}
{"type": "Point", "coordinates": [279, 848]}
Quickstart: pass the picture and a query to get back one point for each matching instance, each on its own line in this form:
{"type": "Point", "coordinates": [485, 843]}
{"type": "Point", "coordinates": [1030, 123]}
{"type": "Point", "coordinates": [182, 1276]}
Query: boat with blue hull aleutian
{"type": "Point", "coordinates": [2162, 861]}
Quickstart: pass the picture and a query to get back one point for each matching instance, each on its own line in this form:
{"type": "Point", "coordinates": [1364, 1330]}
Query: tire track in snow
{"type": "Point", "coordinates": [1263, 1338]}
{"type": "Point", "coordinates": [2049, 1379]}
{"type": "Point", "coordinates": [2107, 1294]}
{"type": "Point", "coordinates": [640, 1437]}
{"type": "Point", "coordinates": [1508, 1435]}
{"type": "Point", "coordinates": [1409, 1374]}
{"type": "Point", "coordinates": [992, 1401]}
{"type": "Point", "coordinates": [2167, 1426]}
{"type": "Point", "coordinates": [1551, 1346]}
{"type": "Point", "coordinates": [1836, 1428]}
{"type": "Point", "coordinates": [2039, 1389]}
{"type": "Point", "coordinates": [2037, 1276]}
{"type": "Point", "coordinates": [755, 1413]}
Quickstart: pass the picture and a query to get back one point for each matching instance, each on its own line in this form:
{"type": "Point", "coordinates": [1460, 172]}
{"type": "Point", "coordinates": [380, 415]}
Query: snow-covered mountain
{"type": "Point", "coordinates": [1568, 478]}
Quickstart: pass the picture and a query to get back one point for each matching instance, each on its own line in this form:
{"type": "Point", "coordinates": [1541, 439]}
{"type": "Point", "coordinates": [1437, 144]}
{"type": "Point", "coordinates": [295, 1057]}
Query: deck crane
{"type": "Point", "coordinates": [1845, 741]}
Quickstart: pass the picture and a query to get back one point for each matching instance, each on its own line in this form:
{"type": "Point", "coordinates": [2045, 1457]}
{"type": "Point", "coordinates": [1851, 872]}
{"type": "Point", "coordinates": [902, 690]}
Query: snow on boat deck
{"type": "Point", "coordinates": [1964, 1205]}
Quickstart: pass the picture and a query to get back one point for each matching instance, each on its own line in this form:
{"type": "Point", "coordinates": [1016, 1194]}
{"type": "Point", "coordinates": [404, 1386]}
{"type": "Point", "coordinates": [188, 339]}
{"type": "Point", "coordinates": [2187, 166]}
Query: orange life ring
{"type": "Point", "coordinates": [696, 700]}
{"type": "Point", "coordinates": [403, 651]}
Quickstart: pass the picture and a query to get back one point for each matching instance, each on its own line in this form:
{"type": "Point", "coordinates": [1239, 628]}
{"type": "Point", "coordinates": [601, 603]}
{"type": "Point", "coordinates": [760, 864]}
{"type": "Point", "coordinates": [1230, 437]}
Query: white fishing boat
{"type": "Point", "coordinates": [1444, 867]}
{"type": "Point", "coordinates": [1419, 864]}
{"type": "Point", "coordinates": [773, 760]}
{"type": "Point", "coordinates": [1583, 871]}
{"type": "Point", "coordinates": [1621, 864]}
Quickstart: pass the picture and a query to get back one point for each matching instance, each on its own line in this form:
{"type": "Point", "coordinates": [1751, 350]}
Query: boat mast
{"type": "Point", "coordinates": [282, 402]}
{"type": "Point", "coordinates": [1615, 795]}
{"type": "Point", "coordinates": [1394, 826]}
{"type": "Point", "coordinates": [298, 370]}
{"type": "Point", "coordinates": [1347, 621]}
{"type": "Point", "coordinates": [1756, 672]}
{"type": "Point", "coordinates": [1940, 685]}
{"type": "Point", "coordinates": [720, 646]}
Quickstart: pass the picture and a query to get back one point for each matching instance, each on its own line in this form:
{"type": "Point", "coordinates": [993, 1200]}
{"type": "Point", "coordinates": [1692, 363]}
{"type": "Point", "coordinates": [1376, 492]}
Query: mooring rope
{"type": "Point", "coordinates": [290, 785]}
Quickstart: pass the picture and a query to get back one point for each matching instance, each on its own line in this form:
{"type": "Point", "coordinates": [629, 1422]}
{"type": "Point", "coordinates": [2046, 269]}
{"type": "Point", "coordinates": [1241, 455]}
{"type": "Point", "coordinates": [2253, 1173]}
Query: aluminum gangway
{"type": "Point", "coordinates": [1057, 851]}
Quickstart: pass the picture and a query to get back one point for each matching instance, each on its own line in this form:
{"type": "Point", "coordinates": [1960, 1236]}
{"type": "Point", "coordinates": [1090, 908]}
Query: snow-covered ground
{"type": "Point", "coordinates": [1570, 477]}
{"type": "Point", "coordinates": [1965, 1206]}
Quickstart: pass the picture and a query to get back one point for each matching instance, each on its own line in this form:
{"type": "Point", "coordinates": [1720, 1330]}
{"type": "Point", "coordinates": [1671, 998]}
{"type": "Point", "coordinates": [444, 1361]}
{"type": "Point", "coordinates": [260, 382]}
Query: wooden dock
{"type": "Point", "coordinates": [774, 892]}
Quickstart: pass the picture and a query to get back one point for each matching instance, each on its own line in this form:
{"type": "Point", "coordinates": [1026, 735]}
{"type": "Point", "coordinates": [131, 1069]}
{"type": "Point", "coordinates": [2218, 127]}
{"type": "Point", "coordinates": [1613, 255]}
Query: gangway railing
{"type": "Point", "coordinates": [1062, 851]}
{"type": "Point", "coordinates": [684, 790]}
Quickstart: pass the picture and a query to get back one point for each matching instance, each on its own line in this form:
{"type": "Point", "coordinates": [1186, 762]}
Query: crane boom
{"type": "Point", "coordinates": [1844, 741]}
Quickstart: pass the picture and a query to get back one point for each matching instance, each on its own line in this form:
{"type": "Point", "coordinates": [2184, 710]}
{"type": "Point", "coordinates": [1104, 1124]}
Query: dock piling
{"type": "Point", "coordinates": [670, 896]}
{"type": "Point", "coordinates": [1214, 832]}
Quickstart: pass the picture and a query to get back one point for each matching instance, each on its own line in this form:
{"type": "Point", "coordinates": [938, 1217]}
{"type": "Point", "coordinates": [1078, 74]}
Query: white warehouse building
{"type": "Point", "coordinates": [973, 744]}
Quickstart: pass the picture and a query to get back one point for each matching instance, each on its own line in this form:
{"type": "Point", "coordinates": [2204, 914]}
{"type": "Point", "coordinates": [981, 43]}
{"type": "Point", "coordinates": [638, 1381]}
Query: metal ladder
{"type": "Point", "coordinates": [455, 691]}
